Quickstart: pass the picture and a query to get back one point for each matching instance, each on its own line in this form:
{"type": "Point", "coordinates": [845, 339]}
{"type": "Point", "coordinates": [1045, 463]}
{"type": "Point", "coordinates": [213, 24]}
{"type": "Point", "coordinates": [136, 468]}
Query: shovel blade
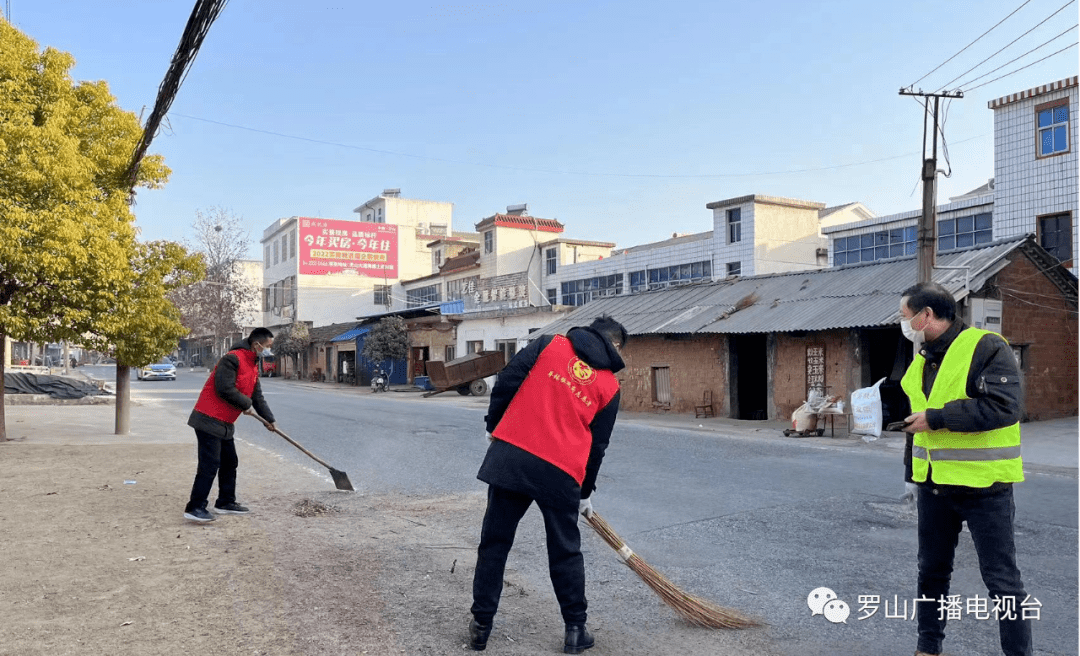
{"type": "Point", "coordinates": [341, 480]}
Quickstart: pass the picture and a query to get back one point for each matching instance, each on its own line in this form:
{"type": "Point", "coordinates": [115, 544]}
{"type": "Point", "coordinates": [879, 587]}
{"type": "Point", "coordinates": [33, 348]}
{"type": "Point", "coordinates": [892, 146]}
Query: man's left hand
{"type": "Point", "coordinates": [916, 423]}
{"type": "Point", "coordinates": [271, 426]}
{"type": "Point", "coordinates": [585, 508]}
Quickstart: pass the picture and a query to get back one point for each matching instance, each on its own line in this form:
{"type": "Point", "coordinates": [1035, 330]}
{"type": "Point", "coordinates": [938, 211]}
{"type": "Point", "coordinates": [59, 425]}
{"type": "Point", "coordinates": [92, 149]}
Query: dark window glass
{"type": "Point", "coordinates": [867, 240]}
{"type": "Point", "coordinates": [984, 221]}
{"type": "Point", "coordinates": [909, 248]}
{"type": "Point", "coordinates": [839, 259]}
{"type": "Point", "coordinates": [896, 250]}
{"type": "Point", "coordinates": [946, 243]}
{"type": "Point", "coordinates": [1046, 117]}
{"type": "Point", "coordinates": [867, 255]}
{"type": "Point", "coordinates": [881, 238]}
{"type": "Point", "coordinates": [965, 224]}
{"type": "Point", "coordinates": [853, 257]}
{"type": "Point", "coordinates": [946, 227]}
{"type": "Point", "coordinates": [965, 239]}
{"type": "Point", "coordinates": [910, 233]}
{"type": "Point", "coordinates": [983, 237]}
{"type": "Point", "coordinates": [881, 252]}
{"type": "Point", "coordinates": [896, 235]}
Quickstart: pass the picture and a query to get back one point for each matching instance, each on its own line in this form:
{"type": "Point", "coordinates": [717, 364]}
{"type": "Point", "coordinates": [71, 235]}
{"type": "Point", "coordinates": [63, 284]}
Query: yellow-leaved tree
{"type": "Point", "coordinates": [67, 237]}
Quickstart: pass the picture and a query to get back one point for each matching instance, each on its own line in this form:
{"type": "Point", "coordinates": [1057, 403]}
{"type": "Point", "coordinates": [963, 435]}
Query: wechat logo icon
{"type": "Point", "coordinates": [823, 601]}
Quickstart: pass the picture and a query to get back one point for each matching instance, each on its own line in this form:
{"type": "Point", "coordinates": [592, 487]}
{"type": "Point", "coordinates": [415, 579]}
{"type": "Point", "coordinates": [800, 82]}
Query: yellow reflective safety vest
{"type": "Point", "coordinates": [969, 459]}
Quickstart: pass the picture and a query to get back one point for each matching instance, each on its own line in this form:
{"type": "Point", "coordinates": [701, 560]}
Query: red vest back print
{"type": "Point", "coordinates": [550, 414]}
{"type": "Point", "coordinates": [212, 405]}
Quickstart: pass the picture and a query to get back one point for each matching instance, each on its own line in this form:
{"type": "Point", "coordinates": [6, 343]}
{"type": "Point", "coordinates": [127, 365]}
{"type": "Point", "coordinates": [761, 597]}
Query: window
{"type": "Point", "coordinates": [734, 268]}
{"type": "Point", "coordinates": [580, 292]}
{"type": "Point", "coordinates": [459, 289]}
{"type": "Point", "coordinates": [378, 217]}
{"type": "Point", "coordinates": [679, 274]}
{"type": "Point", "coordinates": [474, 346]}
{"type": "Point", "coordinates": [451, 353]}
{"type": "Point", "coordinates": [895, 242]}
{"type": "Point", "coordinates": [508, 347]}
{"type": "Point", "coordinates": [422, 296]}
{"type": "Point", "coordinates": [382, 295]}
{"type": "Point", "coordinates": [489, 242]}
{"type": "Point", "coordinates": [1053, 127]}
{"type": "Point", "coordinates": [266, 299]}
{"type": "Point", "coordinates": [552, 296]}
{"type": "Point", "coordinates": [437, 229]}
{"type": "Point", "coordinates": [638, 282]}
{"type": "Point", "coordinates": [289, 285]}
{"type": "Point", "coordinates": [292, 244]}
{"type": "Point", "coordinates": [964, 231]}
{"type": "Point", "coordinates": [734, 225]}
{"type": "Point", "coordinates": [438, 257]}
{"type": "Point", "coordinates": [266, 258]}
{"type": "Point", "coordinates": [1055, 235]}
{"type": "Point", "coordinates": [276, 256]}
{"type": "Point", "coordinates": [551, 257]}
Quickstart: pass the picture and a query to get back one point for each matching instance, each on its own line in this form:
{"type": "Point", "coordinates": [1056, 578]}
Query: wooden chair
{"type": "Point", "coordinates": [706, 407]}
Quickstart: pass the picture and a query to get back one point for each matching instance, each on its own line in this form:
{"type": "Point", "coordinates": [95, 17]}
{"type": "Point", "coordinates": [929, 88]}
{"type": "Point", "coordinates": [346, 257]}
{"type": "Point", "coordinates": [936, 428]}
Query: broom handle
{"type": "Point", "coordinates": [292, 442]}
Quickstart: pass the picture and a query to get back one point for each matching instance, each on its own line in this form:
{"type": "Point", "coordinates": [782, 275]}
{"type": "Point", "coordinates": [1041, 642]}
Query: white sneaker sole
{"type": "Point", "coordinates": [197, 519]}
{"type": "Point", "coordinates": [222, 511]}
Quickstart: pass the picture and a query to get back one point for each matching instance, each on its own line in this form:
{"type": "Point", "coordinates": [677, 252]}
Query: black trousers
{"type": "Point", "coordinates": [217, 458]}
{"type": "Point", "coordinates": [565, 562]}
{"type": "Point", "coordinates": [989, 517]}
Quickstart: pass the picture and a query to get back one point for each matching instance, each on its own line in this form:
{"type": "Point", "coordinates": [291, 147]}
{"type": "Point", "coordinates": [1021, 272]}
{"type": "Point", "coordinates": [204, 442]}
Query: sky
{"type": "Point", "coordinates": [620, 119]}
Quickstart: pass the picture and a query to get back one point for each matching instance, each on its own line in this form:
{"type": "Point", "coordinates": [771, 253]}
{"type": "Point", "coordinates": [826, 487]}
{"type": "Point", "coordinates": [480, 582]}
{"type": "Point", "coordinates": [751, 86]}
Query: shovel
{"type": "Point", "coordinates": [341, 479]}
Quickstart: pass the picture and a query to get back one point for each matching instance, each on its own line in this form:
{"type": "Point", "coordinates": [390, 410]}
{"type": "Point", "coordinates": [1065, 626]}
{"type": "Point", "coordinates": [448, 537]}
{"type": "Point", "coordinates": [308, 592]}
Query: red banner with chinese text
{"type": "Point", "coordinates": [334, 246]}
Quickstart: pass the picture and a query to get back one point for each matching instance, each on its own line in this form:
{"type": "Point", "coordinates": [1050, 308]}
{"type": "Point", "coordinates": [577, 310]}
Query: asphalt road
{"type": "Point", "coordinates": [750, 521]}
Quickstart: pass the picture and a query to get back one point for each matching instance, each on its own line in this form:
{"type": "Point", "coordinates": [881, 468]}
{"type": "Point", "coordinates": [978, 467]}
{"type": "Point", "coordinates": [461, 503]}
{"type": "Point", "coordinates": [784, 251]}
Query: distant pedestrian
{"type": "Point", "coordinates": [231, 389]}
{"type": "Point", "coordinates": [549, 421]}
{"type": "Point", "coordinates": [964, 387]}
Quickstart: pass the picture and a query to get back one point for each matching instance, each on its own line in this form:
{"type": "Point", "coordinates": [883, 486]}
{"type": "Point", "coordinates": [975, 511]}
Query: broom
{"type": "Point", "coordinates": [697, 611]}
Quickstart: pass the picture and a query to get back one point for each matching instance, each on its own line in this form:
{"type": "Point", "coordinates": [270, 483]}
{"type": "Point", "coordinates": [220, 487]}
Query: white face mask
{"type": "Point", "coordinates": [915, 336]}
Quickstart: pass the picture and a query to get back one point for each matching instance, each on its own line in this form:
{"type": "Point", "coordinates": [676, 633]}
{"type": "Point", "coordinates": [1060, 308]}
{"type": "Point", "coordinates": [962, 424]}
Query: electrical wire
{"type": "Point", "coordinates": [1041, 45]}
{"type": "Point", "coordinates": [970, 44]}
{"type": "Point", "coordinates": [540, 170]}
{"type": "Point", "coordinates": [1072, 45]}
{"type": "Point", "coordinates": [1060, 9]}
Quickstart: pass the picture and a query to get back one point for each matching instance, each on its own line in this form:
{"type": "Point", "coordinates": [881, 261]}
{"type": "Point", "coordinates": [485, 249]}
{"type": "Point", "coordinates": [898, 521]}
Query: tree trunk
{"type": "Point", "coordinates": [3, 366]}
{"type": "Point", "coordinates": [123, 399]}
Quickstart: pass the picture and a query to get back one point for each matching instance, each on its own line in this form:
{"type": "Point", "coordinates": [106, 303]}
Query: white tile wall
{"type": "Point", "coordinates": [1027, 187]}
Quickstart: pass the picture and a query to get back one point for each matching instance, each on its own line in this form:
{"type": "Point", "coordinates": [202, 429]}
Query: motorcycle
{"type": "Point", "coordinates": [380, 382]}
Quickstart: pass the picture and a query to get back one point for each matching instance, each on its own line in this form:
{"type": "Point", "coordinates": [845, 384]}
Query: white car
{"type": "Point", "coordinates": [163, 370]}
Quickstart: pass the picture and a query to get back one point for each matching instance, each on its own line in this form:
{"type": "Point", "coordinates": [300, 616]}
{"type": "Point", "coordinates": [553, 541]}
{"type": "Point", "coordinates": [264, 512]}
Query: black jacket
{"type": "Point", "coordinates": [513, 468]}
{"type": "Point", "coordinates": [225, 386]}
{"type": "Point", "coordinates": [993, 387]}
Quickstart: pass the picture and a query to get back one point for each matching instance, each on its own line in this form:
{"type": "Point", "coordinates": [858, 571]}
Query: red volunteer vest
{"type": "Point", "coordinates": [550, 414]}
{"type": "Point", "coordinates": [212, 405]}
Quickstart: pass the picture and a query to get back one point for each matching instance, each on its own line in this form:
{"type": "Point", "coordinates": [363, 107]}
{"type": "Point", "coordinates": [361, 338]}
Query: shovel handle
{"type": "Point", "coordinates": [291, 440]}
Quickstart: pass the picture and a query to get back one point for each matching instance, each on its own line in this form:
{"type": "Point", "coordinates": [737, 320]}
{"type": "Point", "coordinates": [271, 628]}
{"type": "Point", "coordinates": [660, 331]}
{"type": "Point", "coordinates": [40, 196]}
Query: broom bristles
{"type": "Point", "coordinates": [697, 611]}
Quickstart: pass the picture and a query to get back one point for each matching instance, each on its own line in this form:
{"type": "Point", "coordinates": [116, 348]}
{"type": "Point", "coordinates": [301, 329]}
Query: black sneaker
{"type": "Point", "coordinates": [199, 515]}
{"type": "Point", "coordinates": [231, 509]}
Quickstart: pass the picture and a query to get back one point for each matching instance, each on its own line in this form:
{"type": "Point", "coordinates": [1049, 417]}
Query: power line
{"type": "Point", "coordinates": [538, 170]}
{"type": "Point", "coordinates": [1041, 45]}
{"type": "Point", "coordinates": [970, 44]}
{"type": "Point", "coordinates": [1072, 45]}
{"type": "Point", "coordinates": [1009, 44]}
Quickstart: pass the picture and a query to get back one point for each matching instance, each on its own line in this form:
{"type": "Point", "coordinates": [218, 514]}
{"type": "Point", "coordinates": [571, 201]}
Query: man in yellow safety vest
{"type": "Point", "coordinates": [964, 387]}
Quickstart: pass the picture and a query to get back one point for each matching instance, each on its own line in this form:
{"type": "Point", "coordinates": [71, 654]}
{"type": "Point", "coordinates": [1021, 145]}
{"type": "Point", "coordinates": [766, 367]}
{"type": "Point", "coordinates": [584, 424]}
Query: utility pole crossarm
{"type": "Point", "coordinates": [928, 94]}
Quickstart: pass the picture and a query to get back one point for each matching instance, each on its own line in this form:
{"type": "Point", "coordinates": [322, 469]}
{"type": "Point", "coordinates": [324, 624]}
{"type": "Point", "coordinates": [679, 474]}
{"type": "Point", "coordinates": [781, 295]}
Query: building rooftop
{"type": "Point", "coordinates": [766, 200]}
{"type": "Point", "coordinates": [997, 103]}
{"type": "Point", "coordinates": [522, 222]}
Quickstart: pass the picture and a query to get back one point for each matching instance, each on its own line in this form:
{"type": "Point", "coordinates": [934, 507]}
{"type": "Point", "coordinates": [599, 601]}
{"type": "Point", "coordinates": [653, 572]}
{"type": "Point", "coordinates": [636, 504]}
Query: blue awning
{"type": "Point", "coordinates": [350, 335]}
{"type": "Point", "coordinates": [452, 307]}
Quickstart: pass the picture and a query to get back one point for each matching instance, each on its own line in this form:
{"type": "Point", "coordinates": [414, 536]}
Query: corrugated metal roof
{"type": "Point", "coordinates": [350, 335]}
{"type": "Point", "coordinates": [852, 296]}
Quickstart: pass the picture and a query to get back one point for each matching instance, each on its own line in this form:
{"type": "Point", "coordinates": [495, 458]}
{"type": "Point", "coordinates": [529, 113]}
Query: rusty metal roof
{"type": "Point", "coordinates": [859, 295]}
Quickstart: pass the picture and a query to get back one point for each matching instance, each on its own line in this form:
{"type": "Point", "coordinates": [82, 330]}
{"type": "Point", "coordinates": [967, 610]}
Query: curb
{"type": "Point", "coordinates": [45, 399]}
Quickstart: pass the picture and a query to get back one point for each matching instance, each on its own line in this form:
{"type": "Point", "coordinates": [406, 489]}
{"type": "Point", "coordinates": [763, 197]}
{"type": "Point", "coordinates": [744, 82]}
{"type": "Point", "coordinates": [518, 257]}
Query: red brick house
{"type": "Point", "coordinates": [758, 344]}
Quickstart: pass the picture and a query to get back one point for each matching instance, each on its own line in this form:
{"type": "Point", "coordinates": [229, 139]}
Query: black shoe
{"type": "Point", "coordinates": [231, 509]}
{"type": "Point", "coordinates": [478, 635]}
{"type": "Point", "coordinates": [578, 639]}
{"type": "Point", "coordinates": [198, 515]}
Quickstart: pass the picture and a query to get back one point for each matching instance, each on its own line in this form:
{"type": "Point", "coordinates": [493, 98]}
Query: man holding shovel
{"type": "Point", "coordinates": [231, 389]}
{"type": "Point", "coordinates": [549, 420]}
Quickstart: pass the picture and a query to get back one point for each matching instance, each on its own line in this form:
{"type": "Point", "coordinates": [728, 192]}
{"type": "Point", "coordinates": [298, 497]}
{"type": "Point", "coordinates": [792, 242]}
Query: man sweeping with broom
{"type": "Point", "coordinates": [549, 421]}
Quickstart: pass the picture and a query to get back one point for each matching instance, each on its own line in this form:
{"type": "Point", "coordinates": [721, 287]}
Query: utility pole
{"type": "Point", "coordinates": [927, 233]}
